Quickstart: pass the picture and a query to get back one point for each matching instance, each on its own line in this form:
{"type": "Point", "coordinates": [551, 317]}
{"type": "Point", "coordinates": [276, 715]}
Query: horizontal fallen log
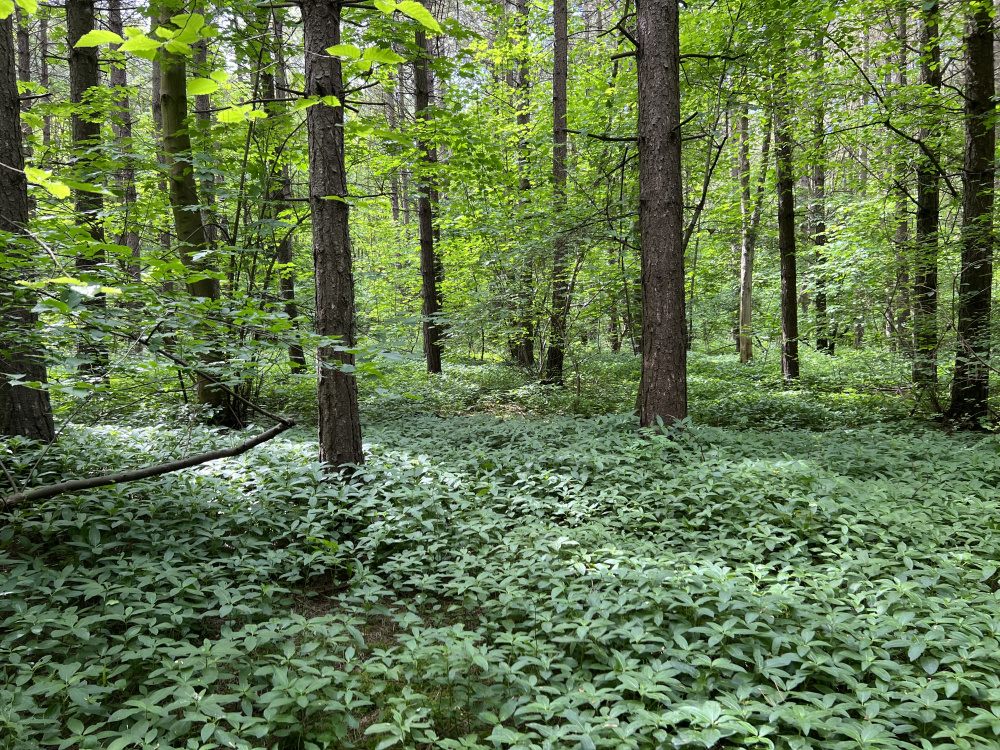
{"type": "Point", "coordinates": [73, 485]}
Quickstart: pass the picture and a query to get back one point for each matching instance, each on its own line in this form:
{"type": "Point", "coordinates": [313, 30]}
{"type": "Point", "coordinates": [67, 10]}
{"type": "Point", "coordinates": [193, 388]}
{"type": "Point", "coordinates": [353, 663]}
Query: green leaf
{"type": "Point", "coordinates": [201, 86]}
{"type": "Point", "coordinates": [386, 7]}
{"type": "Point", "coordinates": [98, 37]}
{"type": "Point", "coordinates": [28, 6]}
{"type": "Point", "coordinates": [141, 45]}
{"type": "Point", "coordinates": [379, 55]}
{"type": "Point", "coordinates": [6, 8]}
{"type": "Point", "coordinates": [219, 76]}
{"type": "Point", "coordinates": [420, 14]}
{"type": "Point", "coordinates": [503, 734]}
{"type": "Point", "coordinates": [344, 50]}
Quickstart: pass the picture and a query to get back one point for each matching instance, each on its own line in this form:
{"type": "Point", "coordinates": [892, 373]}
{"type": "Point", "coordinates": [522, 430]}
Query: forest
{"type": "Point", "coordinates": [499, 374]}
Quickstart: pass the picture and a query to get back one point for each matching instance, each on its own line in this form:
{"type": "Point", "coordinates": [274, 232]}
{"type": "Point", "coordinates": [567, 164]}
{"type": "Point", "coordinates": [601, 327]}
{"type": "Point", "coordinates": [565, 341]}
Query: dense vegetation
{"type": "Point", "coordinates": [498, 375]}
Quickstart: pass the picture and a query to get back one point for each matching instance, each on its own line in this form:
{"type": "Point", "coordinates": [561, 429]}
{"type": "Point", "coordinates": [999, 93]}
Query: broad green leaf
{"type": "Point", "coordinates": [178, 48]}
{"type": "Point", "coordinates": [6, 8]}
{"type": "Point", "coordinates": [330, 101]}
{"type": "Point", "coordinates": [344, 50]}
{"type": "Point", "coordinates": [386, 7]}
{"type": "Point", "coordinates": [234, 114]}
{"type": "Point", "coordinates": [141, 46]}
{"type": "Point", "coordinates": [98, 37]}
{"type": "Point", "coordinates": [380, 55]}
{"type": "Point", "coordinates": [201, 86]}
{"type": "Point", "coordinates": [420, 14]}
{"type": "Point", "coordinates": [219, 76]}
{"type": "Point", "coordinates": [28, 6]}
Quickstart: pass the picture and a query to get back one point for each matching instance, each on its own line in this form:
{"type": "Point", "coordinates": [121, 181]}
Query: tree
{"type": "Point", "coordinates": [560, 270]}
{"type": "Point", "coordinates": [970, 387]}
{"type": "Point", "coordinates": [925, 266]}
{"type": "Point", "coordinates": [786, 230]}
{"type": "Point", "coordinates": [24, 411]}
{"type": "Point", "coordinates": [750, 214]}
{"type": "Point", "coordinates": [824, 341]}
{"type": "Point", "coordinates": [431, 268]}
{"type": "Point", "coordinates": [523, 347]}
{"type": "Point", "coordinates": [84, 82]}
{"type": "Point", "coordinates": [663, 386]}
{"type": "Point", "coordinates": [123, 132]}
{"type": "Point", "coordinates": [339, 418]}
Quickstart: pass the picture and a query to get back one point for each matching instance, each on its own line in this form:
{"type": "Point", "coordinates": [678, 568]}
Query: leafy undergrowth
{"type": "Point", "coordinates": [524, 582]}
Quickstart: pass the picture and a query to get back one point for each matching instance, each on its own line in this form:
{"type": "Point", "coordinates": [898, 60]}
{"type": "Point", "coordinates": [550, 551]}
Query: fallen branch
{"type": "Point", "coordinates": [40, 493]}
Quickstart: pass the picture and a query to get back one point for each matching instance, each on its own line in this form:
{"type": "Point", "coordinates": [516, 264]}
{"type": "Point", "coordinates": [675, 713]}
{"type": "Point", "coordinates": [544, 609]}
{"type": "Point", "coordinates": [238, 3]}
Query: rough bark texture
{"type": "Point", "coordinates": [663, 388]}
{"type": "Point", "coordinates": [23, 411]}
{"type": "Point", "coordinates": [902, 320]}
{"type": "Point", "coordinates": [339, 420]}
{"type": "Point", "coordinates": [786, 234]}
{"type": "Point", "coordinates": [560, 271]}
{"type": "Point", "coordinates": [925, 267]}
{"type": "Point", "coordinates": [123, 132]}
{"type": "Point", "coordinates": [970, 388]}
{"type": "Point", "coordinates": [431, 269]}
{"type": "Point", "coordinates": [824, 342]}
{"type": "Point", "coordinates": [23, 71]}
{"type": "Point", "coordinates": [43, 79]}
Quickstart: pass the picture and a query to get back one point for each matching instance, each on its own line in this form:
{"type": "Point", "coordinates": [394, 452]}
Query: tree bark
{"type": "Point", "coordinates": [431, 268]}
{"type": "Point", "coordinates": [970, 387]}
{"type": "Point", "coordinates": [663, 387]}
{"type": "Point", "coordinates": [24, 411]}
{"type": "Point", "coordinates": [560, 270]}
{"type": "Point", "coordinates": [750, 214]}
{"type": "Point", "coordinates": [189, 229]}
{"type": "Point", "coordinates": [84, 80]}
{"type": "Point", "coordinates": [824, 342]}
{"type": "Point", "coordinates": [925, 271]}
{"type": "Point", "coordinates": [23, 72]}
{"type": "Point", "coordinates": [43, 79]}
{"type": "Point", "coordinates": [524, 344]}
{"type": "Point", "coordinates": [902, 320]}
{"type": "Point", "coordinates": [339, 418]}
{"type": "Point", "coordinates": [123, 132]}
{"type": "Point", "coordinates": [786, 233]}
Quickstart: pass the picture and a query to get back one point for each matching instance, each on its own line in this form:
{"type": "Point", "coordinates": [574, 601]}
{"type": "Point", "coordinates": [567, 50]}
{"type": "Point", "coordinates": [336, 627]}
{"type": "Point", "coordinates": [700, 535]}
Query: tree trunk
{"type": "Point", "coordinates": [824, 342]}
{"type": "Point", "coordinates": [189, 229]}
{"type": "Point", "coordinates": [43, 79]}
{"type": "Point", "coordinates": [339, 419]}
{"type": "Point", "coordinates": [524, 345]}
{"type": "Point", "coordinates": [925, 271]}
{"type": "Point", "coordinates": [24, 411]}
{"type": "Point", "coordinates": [123, 132]}
{"type": "Point", "coordinates": [431, 269]}
{"type": "Point", "coordinates": [663, 387]}
{"type": "Point", "coordinates": [23, 73]}
{"type": "Point", "coordinates": [750, 213]}
{"type": "Point", "coordinates": [84, 80]}
{"type": "Point", "coordinates": [902, 321]}
{"type": "Point", "coordinates": [296, 355]}
{"type": "Point", "coordinates": [786, 233]}
{"type": "Point", "coordinates": [560, 270]}
{"type": "Point", "coordinates": [970, 388]}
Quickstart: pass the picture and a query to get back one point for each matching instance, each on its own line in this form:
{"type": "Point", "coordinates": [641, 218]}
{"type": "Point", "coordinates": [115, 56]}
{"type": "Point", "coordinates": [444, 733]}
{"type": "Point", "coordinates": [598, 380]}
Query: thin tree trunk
{"type": "Point", "coordinates": [824, 342]}
{"type": "Point", "coordinates": [524, 346]}
{"type": "Point", "coordinates": [339, 419]}
{"type": "Point", "coordinates": [203, 107]}
{"type": "Point", "coordinates": [84, 80]}
{"type": "Point", "coordinates": [902, 221]}
{"type": "Point", "coordinates": [560, 280]}
{"type": "Point", "coordinates": [296, 355]}
{"type": "Point", "coordinates": [431, 269]}
{"type": "Point", "coordinates": [43, 43]}
{"type": "Point", "coordinates": [786, 233]}
{"type": "Point", "coordinates": [24, 411]}
{"type": "Point", "coordinates": [925, 272]}
{"type": "Point", "coordinates": [970, 388]}
{"type": "Point", "coordinates": [123, 132]}
{"type": "Point", "coordinates": [23, 72]}
{"type": "Point", "coordinates": [663, 387]}
{"type": "Point", "coordinates": [750, 212]}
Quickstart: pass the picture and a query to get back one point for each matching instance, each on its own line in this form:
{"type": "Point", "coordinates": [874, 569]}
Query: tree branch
{"type": "Point", "coordinates": [40, 493]}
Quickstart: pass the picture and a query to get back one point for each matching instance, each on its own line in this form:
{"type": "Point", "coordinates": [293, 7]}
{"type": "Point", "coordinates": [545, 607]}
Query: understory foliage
{"type": "Point", "coordinates": [514, 570]}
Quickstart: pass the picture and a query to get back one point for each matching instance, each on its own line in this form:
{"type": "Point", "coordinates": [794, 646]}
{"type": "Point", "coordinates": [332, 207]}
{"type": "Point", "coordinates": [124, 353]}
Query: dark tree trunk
{"type": "Point", "coordinates": [23, 411]}
{"type": "Point", "coordinates": [970, 388]}
{"type": "Point", "coordinates": [43, 79]}
{"type": "Point", "coordinates": [902, 321]}
{"type": "Point", "coordinates": [431, 269]}
{"type": "Point", "coordinates": [925, 270]}
{"type": "Point", "coordinates": [560, 270]}
{"type": "Point", "coordinates": [23, 72]}
{"type": "Point", "coordinates": [203, 108]}
{"type": "Point", "coordinates": [84, 80]}
{"type": "Point", "coordinates": [123, 132]}
{"type": "Point", "coordinates": [663, 388]}
{"type": "Point", "coordinates": [524, 344]}
{"type": "Point", "coordinates": [786, 234]}
{"type": "Point", "coordinates": [339, 419]}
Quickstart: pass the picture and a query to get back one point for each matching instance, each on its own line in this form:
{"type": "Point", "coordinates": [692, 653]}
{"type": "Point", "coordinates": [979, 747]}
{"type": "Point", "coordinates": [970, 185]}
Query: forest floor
{"type": "Point", "coordinates": [520, 567]}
